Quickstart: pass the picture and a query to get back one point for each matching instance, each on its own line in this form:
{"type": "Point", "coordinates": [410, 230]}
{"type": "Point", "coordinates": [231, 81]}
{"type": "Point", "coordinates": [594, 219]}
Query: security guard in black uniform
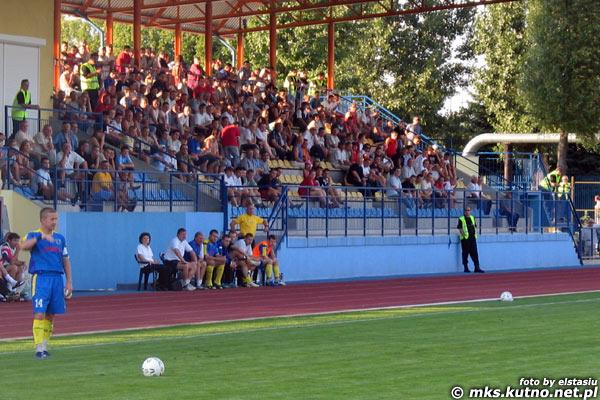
{"type": "Point", "coordinates": [467, 227]}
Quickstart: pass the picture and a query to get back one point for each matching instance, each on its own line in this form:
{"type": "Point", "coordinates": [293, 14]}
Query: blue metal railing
{"type": "Point", "coordinates": [54, 117]}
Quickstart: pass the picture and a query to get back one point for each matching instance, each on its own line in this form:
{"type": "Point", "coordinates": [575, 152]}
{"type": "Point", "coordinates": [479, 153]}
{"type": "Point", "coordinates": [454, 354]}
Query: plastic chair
{"type": "Point", "coordinates": [145, 273]}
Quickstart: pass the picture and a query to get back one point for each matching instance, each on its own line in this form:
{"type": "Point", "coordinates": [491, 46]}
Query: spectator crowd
{"type": "Point", "coordinates": [173, 115]}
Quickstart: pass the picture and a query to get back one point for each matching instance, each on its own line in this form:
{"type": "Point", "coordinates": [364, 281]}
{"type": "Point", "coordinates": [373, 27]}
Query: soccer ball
{"type": "Point", "coordinates": [153, 366]}
{"type": "Point", "coordinates": [506, 296]}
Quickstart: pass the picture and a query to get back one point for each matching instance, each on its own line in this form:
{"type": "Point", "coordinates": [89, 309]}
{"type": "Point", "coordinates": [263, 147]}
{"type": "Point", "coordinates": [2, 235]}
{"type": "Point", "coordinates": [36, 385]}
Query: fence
{"type": "Point", "coordinates": [37, 118]}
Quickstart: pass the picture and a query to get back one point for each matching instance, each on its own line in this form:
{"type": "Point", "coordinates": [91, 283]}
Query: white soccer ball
{"type": "Point", "coordinates": [506, 296]}
{"type": "Point", "coordinates": [153, 366]}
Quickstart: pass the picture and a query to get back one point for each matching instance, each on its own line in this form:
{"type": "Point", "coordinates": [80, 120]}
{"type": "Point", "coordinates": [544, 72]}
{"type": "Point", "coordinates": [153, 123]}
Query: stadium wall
{"type": "Point", "coordinates": [23, 216]}
{"type": "Point", "coordinates": [101, 247]}
{"type": "Point", "coordinates": [354, 257]}
{"type": "Point", "coordinates": [31, 19]}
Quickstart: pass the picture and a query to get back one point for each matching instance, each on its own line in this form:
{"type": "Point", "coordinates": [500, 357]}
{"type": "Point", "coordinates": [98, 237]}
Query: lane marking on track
{"type": "Point", "coordinates": [420, 311]}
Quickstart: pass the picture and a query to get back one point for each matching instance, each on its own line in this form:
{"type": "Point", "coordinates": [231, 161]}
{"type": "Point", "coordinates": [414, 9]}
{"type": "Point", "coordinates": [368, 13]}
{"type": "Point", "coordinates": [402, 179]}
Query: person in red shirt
{"type": "Point", "coordinates": [391, 147]}
{"type": "Point", "coordinates": [230, 139]}
{"type": "Point", "coordinates": [307, 191]}
{"type": "Point", "coordinates": [124, 60]}
{"type": "Point", "coordinates": [194, 75]}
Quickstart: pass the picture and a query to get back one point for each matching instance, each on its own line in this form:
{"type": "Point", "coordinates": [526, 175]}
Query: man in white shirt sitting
{"type": "Point", "coordinates": [248, 262]}
{"type": "Point", "coordinates": [70, 165]}
{"type": "Point", "coordinates": [174, 258]}
{"type": "Point", "coordinates": [474, 191]}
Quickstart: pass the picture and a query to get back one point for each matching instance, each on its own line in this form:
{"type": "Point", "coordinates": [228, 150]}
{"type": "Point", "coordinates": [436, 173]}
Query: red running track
{"type": "Point", "coordinates": [150, 309]}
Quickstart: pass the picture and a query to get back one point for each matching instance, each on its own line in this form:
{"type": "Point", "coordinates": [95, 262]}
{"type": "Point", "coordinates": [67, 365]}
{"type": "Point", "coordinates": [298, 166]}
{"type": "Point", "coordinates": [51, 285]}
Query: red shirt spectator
{"type": "Point", "coordinates": [391, 146]}
{"type": "Point", "coordinates": [194, 74]}
{"type": "Point", "coordinates": [307, 181]}
{"type": "Point", "coordinates": [123, 61]}
{"type": "Point", "coordinates": [230, 136]}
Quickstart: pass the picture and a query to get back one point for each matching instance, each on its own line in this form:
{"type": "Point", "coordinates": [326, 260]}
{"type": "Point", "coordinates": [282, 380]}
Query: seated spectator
{"type": "Point", "coordinates": [23, 134]}
{"type": "Point", "coordinates": [126, 198]}
{"type": "Point", "coordinates": [147, 262]}
{"type": "Point", "coordinates": [12, 269]}
{"type": "Point", "coordinates": [174, 259]}
{"type": "Point", "coordinates": [357, 173]}
{"type": "Point", "coordinates": [43, 186]}
{"type": "Point", "coordinates": [44, 145]}
{"type": "Point", "coordinates": [70, 165]}
{"type": "Point", "coordinates": [245, 259]}
{"type": "Point", "coordinates": [307, 192]}
{"type": "Point", "coordinates": [265, 251]}
{"type": "Point", "coordinates": [394, 183]}
{"type": "Point", "coordinates": [102, 184]}
{"type": "Point", "coordinates": [24, 166]}
{"type": "Point", "coordinates": [325, 181]}
{"type": "Point", "coordinates": [269, 186]}
{"type": "Point", "coordinates": [508, 208]}
{"type": "Point", "coordinates": [375, 179]}
{"type": "Point", "coordinates": [65, 136]}
{"type": "Point", "coordinates": [475, 192]}
{"type": "Point", "coordinates": [215, 261]}
{"type": "Point", "coordinates": [197, 245]}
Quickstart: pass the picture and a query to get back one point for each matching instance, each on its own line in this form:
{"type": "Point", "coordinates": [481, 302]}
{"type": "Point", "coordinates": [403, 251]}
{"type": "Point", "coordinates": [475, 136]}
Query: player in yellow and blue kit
{"type": "Point", "coordinates": [49, 261]}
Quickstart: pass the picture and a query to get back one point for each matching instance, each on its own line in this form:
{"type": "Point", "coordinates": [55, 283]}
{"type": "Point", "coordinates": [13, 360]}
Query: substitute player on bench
{"type": "Point", "coordinates": [49, 261]}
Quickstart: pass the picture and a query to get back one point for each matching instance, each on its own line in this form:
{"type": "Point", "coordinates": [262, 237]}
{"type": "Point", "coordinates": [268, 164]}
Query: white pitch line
{"type": "Point", "coordinates": [331, 323]}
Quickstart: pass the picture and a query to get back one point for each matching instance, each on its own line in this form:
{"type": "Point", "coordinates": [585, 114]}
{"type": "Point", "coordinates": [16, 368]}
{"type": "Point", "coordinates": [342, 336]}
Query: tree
{"type": "Point", "coordinates": [562, 70]}
{"type": "Point", "coordinates": [500, 38]}
{"type": "Point", "coordinates": [409, 64]}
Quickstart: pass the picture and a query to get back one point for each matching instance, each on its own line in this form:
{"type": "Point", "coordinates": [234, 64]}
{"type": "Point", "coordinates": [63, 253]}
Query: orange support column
{"type": "Point", "coordinates": [208, 37]}
{"type": "Point", "coordinates": [137, 30]}
{"type": "Point", "coordinates": [273, 39]}
{"type": "Point", "coordinates": [177, 40]}
{"type": "Point", "coordinates": [330, 54]}
{"type": "Point", "coordinates": [108, 37]}
{"type": "Point", "coordinates": [240, 50]}
{"type": "Point", "coordinates": [57, 31]}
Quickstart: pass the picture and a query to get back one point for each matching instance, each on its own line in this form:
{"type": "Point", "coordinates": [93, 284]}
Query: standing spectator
{"type": "Point", "coordinates": [21, 104]}
{"type": "Point", "coordinates": [195, 73]}
{"type": "Point", "coordinates": [248, 222]}
{"type": "Point", "coordinates": [90, 81]}
{"type": "Point", "coordinates": [124, 60]}
{"type": "Point", "coordinates": [174, 258]}
{"type": "Point", "coordinates": [467, 228]}
{"type": "Point", "coordinates": [231, 143]}
{"type": "Point", "coordinates": [415, 129]}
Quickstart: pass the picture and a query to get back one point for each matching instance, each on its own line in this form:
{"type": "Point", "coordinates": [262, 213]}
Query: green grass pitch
{"type": "Point", "coordinates": [404, 353]}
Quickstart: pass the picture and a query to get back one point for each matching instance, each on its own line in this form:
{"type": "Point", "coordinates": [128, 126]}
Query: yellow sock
{"type": "Point", "coordinates": [269, 271]}
{"type": "Point", "coordinates": [276, 270]}
{"type": "Point", "coordinates": [247, 279]}
{"type": "Point", "coordinates": [219, 274]}
{"type": "Point", "coordinates": [48, 329]}
{"type": "Point", "coordinates": [38, 331]}
{"type": "Point", "coordinates": [208, 275]}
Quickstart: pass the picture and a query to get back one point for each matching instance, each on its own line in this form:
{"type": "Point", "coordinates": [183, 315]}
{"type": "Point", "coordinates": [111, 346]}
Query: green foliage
{"type": "Point", "coordinates": [75, 31]}
{"type": "Point", "coordinates": [500, 38]}
{"type": "Point", "coordinates": [405, 63]}
{"type": "Point", "coordinates": [562, 78]}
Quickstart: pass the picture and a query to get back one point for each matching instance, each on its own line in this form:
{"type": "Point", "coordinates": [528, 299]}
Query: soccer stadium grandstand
{"type": "Point", "coordinates": [173, 174]}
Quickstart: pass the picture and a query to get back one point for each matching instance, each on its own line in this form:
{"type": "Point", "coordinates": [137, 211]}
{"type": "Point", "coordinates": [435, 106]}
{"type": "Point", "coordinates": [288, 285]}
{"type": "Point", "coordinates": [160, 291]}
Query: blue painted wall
{"type": "Point", "coordinates": [343, 258]}
{"type": "Point", "coordinates": [101, 245]}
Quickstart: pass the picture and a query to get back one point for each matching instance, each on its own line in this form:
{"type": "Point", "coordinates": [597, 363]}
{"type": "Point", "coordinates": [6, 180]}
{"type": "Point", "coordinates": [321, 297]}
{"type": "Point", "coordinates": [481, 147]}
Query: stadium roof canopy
{"type": "Point", "coordinates": [234, 18]}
